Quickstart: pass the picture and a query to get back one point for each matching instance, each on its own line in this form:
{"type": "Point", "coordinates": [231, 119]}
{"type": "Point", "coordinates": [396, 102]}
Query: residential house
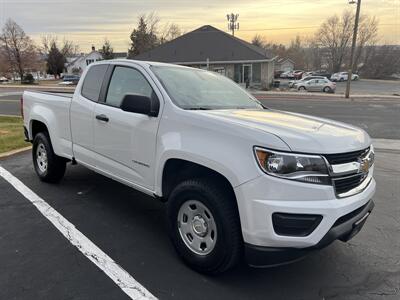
{"type": "Point", "coordinates": [76, 65]}
{"type": "Point", "coordinates": [210, 48]}
{"type": "Point", "coordinates": [284, 64]}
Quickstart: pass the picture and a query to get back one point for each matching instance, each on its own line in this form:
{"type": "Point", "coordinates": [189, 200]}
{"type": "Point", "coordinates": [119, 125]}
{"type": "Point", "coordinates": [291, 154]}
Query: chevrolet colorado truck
{"type": "Point", "coordinates": [238, 179]}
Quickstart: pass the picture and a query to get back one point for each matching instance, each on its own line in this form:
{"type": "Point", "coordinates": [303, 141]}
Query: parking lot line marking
{"type": "Point", "coordinates": [105, 263]}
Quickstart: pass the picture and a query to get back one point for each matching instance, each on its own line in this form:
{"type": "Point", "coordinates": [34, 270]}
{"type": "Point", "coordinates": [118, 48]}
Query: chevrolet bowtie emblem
{"type": "Point", "coordinates": [364, 165]}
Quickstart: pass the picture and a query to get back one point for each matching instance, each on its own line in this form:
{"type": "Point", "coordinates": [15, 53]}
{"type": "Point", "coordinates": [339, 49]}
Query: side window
{"type": "Point", "coordinates": [93, 80]}
{"type": "Point", "coordinates": [126, 81]}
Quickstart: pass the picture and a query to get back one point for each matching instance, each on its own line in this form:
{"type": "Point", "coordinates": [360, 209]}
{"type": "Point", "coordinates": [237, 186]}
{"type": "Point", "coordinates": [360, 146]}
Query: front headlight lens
{"type": "Point", "coordinates": [300, 167]}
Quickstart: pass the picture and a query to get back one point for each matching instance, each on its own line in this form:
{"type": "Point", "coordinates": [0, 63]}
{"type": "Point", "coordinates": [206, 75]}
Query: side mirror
{"type": "Point", "coordinates": [138, 104]}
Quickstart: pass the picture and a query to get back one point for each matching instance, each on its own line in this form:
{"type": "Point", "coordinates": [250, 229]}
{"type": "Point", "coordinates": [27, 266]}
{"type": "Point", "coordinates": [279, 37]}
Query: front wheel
{"type": "Point", "coordinates": [204, 225]}
{"type": "Point", "coordinates": [327, 89]}
{"type": "Point", "coordinates": [302, 89]}
{"type": "Point", "coordinates": [48, 166]}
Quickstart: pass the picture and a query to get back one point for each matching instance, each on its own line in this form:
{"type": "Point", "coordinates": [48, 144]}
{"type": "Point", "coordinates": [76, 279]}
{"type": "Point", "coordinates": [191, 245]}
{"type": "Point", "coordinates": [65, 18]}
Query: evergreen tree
{"type": "Point", "coordinates": [142, 38]}
{"type": "Point", "coordinates": [107, 50]}
{"type": "Point", "coordinates": [55, 60]}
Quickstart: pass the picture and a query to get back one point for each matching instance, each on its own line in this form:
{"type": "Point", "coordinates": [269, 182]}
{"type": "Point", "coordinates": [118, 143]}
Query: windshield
{"type": "Point", "coordinates": [199, 89]}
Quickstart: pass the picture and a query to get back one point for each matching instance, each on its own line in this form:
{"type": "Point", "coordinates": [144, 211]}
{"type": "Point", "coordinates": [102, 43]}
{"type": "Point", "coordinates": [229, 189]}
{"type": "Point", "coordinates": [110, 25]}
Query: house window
{"type": "Point", "coordinates": [243, 73]}
{"type": "Point", "coordinates": [89, 61]}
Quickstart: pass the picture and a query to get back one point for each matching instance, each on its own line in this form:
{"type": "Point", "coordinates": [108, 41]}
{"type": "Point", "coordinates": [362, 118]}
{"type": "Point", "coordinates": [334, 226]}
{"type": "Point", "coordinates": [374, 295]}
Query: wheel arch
{"type": "Point", "coordinates": [176, 170]}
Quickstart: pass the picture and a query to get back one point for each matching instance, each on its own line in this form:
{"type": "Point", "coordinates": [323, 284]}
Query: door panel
{"type": "Point", "coordinates": [126, 142]}
{"type": "Point", "coordinates": [81, 114]}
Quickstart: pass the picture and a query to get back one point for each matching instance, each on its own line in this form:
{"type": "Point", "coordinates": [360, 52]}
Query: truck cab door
{"type": "Point", "coordinates": [81, 113]}
{"type": "Point", "coordinates": [125, 142]}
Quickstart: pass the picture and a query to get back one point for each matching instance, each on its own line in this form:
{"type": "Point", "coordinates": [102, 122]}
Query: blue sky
{"type": "Point", "coordinates": [88, 22]}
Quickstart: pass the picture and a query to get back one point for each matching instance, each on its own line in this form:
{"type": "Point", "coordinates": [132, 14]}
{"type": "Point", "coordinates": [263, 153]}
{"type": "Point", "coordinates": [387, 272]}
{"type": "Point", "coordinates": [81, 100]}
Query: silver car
{"type": "Point", "coordinates": [292, 83]}
{"type": "Point", "coordinates": [316, 85]}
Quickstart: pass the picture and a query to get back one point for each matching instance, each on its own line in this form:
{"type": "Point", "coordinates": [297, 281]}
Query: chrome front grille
{"type": "Point", "coordinates": [345, 184]}
{"type": "Point", "coordinates": [342, 158]}
{"type": "Point", "coordinates": [350, 172]}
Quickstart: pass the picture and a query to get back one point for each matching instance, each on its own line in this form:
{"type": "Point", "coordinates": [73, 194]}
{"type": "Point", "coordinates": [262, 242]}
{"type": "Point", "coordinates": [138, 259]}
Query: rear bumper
{"type": "Point", "coordinates": [345, 228]}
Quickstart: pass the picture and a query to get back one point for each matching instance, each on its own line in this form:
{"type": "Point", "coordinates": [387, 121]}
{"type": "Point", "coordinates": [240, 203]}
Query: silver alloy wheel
{"type": "Point", "coordinates": [197, 227]}
{"type": "Point", "coordinates": [41, 158]}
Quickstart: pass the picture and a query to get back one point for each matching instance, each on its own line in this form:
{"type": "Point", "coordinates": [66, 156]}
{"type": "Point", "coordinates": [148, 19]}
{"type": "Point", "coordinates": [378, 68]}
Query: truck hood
{"type": "Point", "coordinates": [301, 133]}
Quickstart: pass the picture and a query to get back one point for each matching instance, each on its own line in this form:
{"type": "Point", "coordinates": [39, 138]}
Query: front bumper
{"type": "Point", "coordinates": [344, 229]}
{"type": "Point", "coordinates": [259, 199]}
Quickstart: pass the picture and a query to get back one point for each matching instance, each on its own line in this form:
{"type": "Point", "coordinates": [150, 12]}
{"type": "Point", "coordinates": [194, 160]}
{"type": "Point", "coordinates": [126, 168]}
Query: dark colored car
{"type": "Point", "coordinates": [74, 79]}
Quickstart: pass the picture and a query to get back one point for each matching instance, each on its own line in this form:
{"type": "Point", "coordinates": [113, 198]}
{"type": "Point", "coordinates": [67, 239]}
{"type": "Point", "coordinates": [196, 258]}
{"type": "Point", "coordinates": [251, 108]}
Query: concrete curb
{"type": "Point", "coordinates": [386, 145]}
{"type": "Point", "coordinates": [13, 152]}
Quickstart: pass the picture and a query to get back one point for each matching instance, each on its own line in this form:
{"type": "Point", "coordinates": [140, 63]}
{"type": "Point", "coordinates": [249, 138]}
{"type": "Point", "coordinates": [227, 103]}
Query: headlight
{"type": "Point", "coordinates": [299, 167]}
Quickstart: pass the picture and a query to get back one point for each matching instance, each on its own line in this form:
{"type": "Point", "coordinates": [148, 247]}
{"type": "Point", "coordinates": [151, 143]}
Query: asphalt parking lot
{"type": "Point", "coordinates": [37, 262]}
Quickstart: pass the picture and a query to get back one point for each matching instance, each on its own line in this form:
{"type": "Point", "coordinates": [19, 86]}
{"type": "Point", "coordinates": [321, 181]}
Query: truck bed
{"type": "Point", "coordinates": [53, 110]}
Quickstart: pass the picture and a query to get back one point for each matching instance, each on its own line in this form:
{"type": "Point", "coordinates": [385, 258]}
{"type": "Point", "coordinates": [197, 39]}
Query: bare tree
{"type": "Point", "coordinates": [313, 55]}
{"type": "Point", "coordinates": [19, 48]}
{"type": "Point", "coordinates": [276, 49]}
{"type": "Point", "coordinates": [67, 47]}
{"type": "Point", "coordinates": [367, 37]}
{"type": "Point", "coordinates": [383, 62]}
{"type": "Point", "coordinates": [169, 33]}
{"type": "Point", "coordinates": [297, 53]}
{"type": "Point", "coordinates": [334, 35]}
{"type": "Point", "coordinates": [259, 41]}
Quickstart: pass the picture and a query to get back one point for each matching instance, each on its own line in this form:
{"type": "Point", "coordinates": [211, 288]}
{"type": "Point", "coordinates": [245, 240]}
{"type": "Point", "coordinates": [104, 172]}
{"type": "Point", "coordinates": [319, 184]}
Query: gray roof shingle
{"type": "Point", "coordinates": [202, 43]}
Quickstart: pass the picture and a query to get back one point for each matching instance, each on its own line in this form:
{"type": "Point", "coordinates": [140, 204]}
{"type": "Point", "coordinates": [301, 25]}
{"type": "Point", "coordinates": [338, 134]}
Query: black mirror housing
{"type": "Point", "coordinates": [138, 104]}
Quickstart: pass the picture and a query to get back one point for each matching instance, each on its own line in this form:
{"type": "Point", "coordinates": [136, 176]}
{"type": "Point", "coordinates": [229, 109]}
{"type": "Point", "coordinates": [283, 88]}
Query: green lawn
{"type": "Point", "coordinates": [11, 134]}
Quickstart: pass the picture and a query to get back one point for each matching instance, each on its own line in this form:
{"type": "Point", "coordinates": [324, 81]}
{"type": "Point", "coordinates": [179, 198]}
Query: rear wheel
{"type": "Point", "coordinates": [48, 166]}
{"type": "Point", "coordinates": [327, 89]}
{"type": "Point", "coordinates": [204, 226]}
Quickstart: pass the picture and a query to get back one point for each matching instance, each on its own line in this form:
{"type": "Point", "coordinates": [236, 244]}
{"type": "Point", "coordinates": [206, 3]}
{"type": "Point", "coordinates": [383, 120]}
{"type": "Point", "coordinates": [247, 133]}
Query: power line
{"type": "Point", "coordinates": [301, 27]}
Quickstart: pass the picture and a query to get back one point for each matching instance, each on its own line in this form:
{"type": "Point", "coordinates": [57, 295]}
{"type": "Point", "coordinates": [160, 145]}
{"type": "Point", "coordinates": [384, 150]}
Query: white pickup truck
{"type": "Point", "coordinates": [239, 180]}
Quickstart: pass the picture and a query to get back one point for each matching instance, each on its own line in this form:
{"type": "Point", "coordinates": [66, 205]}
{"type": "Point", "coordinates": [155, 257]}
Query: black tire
{"type": "Point", "coordinates": [56, 165]}
{"type": "Point", "coordinates": [218, 200]}
{"type": "Point", "coordinates": [302, 88]}
{"type": "Point", "coordinates": [327, 89]}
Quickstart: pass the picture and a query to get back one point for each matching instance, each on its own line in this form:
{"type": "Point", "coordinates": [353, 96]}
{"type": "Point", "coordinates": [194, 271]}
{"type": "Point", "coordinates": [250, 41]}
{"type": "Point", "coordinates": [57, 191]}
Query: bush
{"type": "Point", "coordinates": [28, 79]}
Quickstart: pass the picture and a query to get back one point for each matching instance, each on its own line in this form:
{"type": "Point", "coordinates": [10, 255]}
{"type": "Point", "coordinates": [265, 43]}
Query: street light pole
{"type": "Point", "coordinates": [353, 47]}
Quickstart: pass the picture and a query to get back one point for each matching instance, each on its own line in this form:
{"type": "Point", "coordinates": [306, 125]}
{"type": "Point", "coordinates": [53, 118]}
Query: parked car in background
{"type": "Point", "coordinates": [306, 74]}
{"type": "Point", "coordinates": [287, 74]}
{"type": "Point", "coordinates": [3, 80]}
{"type": "Point", "coordinates": [343, 76]}
{"type": "Point", "coordinates": [297, 74]}
{"type": "Point", "coordinates": [277, 74]}
{"type": "Point", "coordinates": [304, 79]}
{"type": "Point", "coordinates": [70, 80]}
{"type": "Point", "coordinates": [316, 85]}
{"type": "Point", "coordinates": [322, 73]}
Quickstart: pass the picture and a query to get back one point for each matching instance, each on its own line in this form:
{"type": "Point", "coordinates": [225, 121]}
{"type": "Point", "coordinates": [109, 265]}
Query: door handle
{"type": "Point", "coordinates": [102, 117]}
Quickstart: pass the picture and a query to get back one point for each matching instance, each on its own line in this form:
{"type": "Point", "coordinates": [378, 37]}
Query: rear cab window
{"type": "Point", "coordinates": [92, 83]}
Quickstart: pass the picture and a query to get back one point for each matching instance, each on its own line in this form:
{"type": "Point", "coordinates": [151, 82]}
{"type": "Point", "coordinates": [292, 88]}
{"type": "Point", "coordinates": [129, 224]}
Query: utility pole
{"type": "Point", "coordinates": [353, 45]}
{"type": "Point", "coordinates": [233, 24]}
